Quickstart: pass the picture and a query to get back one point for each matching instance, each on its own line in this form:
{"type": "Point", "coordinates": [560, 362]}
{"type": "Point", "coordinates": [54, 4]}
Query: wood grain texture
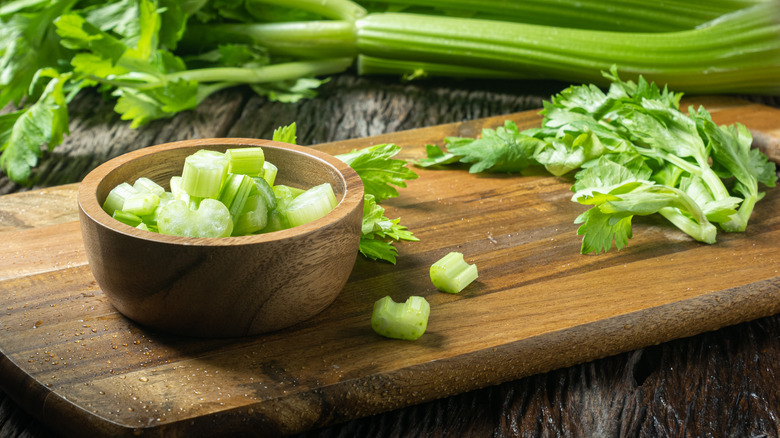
{"type": "Point", "coordinates": [339, 370]}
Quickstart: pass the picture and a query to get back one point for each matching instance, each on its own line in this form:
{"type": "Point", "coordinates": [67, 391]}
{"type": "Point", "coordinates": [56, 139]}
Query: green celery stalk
{"type": "Point", "coordinates": [333, 9]}
{"type": "Point", "coordinates": [269, 172]}
{"type": "Point", "coordinates": [117, 196]}
{"type": "Point", "coordinates": [203, 173]}
{"type": "Point", "coordinates": [371, 65]}
{"type": "Point", "coordinates": [310, 205]}
{"type": "Point", "coordinates": [739, 52]}
{"type": "Point", "coordinates": [264, 74]}
{"type": "Point", "coordinates": [619, 15]}
{"type": "Point", "coordinates": [407, 320]}
{"type": "Point", "coordinates": [452, 274]}
{"type": "Point", "coordinates": [234, 193]}
{"type": "Point", "coordinates": [248, 161]}
{"type": "Point", "coordinates": [141, 204]}
{"type": "Point", "coordinates": [304, 39]}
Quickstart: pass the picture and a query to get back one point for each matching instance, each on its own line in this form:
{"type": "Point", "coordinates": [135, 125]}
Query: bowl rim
{"type": "Point", "coordinates": [90, 207]}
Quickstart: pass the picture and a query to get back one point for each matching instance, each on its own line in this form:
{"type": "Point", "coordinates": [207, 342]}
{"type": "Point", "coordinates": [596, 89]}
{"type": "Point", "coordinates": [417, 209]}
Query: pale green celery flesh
{"type": "Point", "coordinates": [203, 173]}
{"type": "Point", "coordinates": [285, 194]}
{"type": "Point", "coordinates": [235, 192]}
{"type": "Point", "coordinates": [310, 205]}
{"type": "Point", "coordinates": [248, 161]}
{"type": "Point", "coordinates": [127, 218]}
{"type": "Point", "coordinates": [702, 232]}
{"type": "Point", "coordinates": [276, 222]}
{"type": "Point", "coordinates": [452, 274]}
{"type": "Point", "coordinates": [407, 320]}
{"type": "Point", "coordinates": [740, 52]}
{"type": "Point", "coordinates": [211, 219]}
{"type": "Point", "coordinates": [266, 192]}
{"type": "Point", "coordinates": [253, 218]}
{"type": "Point", "coordinates": [269, 172]}
{"type": "Point", "coordinates": [141, 204]}
{"type": "Point", "coordinates": [117, 196]}
{"type": "Point", "coordinates": [144, 184]}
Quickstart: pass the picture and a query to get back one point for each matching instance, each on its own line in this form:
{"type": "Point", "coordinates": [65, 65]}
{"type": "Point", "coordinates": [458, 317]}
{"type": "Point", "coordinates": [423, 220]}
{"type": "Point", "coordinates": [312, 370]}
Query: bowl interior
{"type": "Point", "coordinates": [298, 167]}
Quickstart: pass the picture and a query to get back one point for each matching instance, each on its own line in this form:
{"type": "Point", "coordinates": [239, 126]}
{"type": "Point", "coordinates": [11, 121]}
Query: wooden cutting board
{"type": "Point", "coordinates": [69, 358]}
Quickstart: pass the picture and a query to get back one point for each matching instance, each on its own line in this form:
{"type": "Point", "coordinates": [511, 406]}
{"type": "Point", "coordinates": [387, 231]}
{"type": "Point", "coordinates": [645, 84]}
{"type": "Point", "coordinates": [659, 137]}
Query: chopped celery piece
{"type": "Point", "coordinates": [127, 218]}
{"type": "Point", "coordinates": [144, 184]}
{"type": "Point", "coordinates": [248, 161]}
{"type": "Point", "coordinates": [285, 194]}
{"type": "Point", "coordinates": [253, 218]}
{"type": "Point", "coordinates": [211, 219]}
{"type": "Point", "coordinates": [276, 222]}
{"type": "Point", "coordinates": [117, 196]}
{"type": "Point", "coordinates": [141, 204]}
{"type": "Point", "coordinates": [310, 205]}
{"type": "Point", "coordinates": [143, 226]}
{"type": "Point", "coordinates": [203, 174]}
{"type": "Point", "coordinates": [407, 320]}
{"type": "Point", "coordinates": [151, 219]}
{"type": "Point", "coordinates": [235, 191]}
{"type": "Point", "coordinates": [177, 191]}
{"type": "Point", "coordinates": [266, 192]}
{"type": "Point", "coordinates": [452, 274]}
{"type": "Point", "coordinates": [269, 172]}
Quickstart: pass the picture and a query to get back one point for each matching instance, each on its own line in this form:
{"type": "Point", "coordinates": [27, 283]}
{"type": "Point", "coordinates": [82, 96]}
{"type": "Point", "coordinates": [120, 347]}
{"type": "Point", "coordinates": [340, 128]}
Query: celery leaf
{"type": "Point", "coordinates": [25, 131]}
{"type": "Point", "coordinates": [378, 232]}
{"type": "Point", "coordinates": [504, 149]}
{"type": "Point", "coordinates": [378, 170]}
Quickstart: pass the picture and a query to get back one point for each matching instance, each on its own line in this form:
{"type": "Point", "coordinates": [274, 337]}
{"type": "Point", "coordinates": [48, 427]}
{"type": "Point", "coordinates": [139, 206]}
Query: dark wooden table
{"type": "Point", "coordinates": [718, 384]}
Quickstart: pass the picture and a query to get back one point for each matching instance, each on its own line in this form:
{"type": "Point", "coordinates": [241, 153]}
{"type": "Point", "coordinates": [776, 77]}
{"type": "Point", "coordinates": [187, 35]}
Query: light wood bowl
{"type": "Point", "coordinates": [222, 287]}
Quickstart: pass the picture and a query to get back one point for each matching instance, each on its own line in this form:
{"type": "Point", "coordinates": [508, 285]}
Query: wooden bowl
{"type": "Point", "coordinates": [222, 287]}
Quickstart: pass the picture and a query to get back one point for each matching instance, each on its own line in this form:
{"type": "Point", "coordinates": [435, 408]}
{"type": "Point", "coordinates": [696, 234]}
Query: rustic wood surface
{"type": "Point", "coordinates": [721, 383]}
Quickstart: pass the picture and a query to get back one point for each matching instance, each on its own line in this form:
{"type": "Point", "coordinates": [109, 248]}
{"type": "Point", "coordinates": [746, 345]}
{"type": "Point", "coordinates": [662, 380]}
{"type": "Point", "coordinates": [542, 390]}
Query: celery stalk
{"type": "Point", "coordinates": [452, 274]}
{"type": "Point", "coordinates": [285, 195]}
{"type": "Point", "coordinates": [211, 219]}
{"type": "Point", "coordinates": [407, 320]}
{"type": "Point", "coordinates": [127, 218]}
{"type": "Point", "coordinates": [141, 204]}
{"type": "Point", "coordinates": [117, 196]}
{"type": "Point", "coordinates": [253, 218]}
{"type": "Point", "coordinates": [269, 172]}
{"type": "Point", "coordinates": [144, 184]}
{"type": "Point", "coordinates": [248, 161]}
{"type": "Point", "coordinates": [203, 173]}
{"type": "Point", "coordinates": [615, 15]}
{"type": "Point", "coordinates": [266, 193]}
{"type": "Point", "coordinates": [276, 222]}
{"type": "Point", "coordinates": [737, 52]}
{"type": "Point", "coordinates": [235, 192]}
{"type": "Point", "coordinates": [311, 205]}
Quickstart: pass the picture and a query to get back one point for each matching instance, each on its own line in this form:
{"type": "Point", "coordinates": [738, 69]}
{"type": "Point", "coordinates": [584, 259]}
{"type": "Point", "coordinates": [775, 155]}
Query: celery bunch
{"type": "Point", "coordinates": [161, 57]}
{"type": "Point", "coordinates": [635, 153]}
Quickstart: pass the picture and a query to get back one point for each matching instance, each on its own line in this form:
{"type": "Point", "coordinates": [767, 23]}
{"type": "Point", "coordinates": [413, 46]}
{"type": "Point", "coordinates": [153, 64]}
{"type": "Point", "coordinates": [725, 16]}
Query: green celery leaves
{"type": "Point", "coordinates": [23, 132]}
{"type": "Point", "coordinates": [634, 153]}
{"type": "Point", "coordinates": [378, 170]}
